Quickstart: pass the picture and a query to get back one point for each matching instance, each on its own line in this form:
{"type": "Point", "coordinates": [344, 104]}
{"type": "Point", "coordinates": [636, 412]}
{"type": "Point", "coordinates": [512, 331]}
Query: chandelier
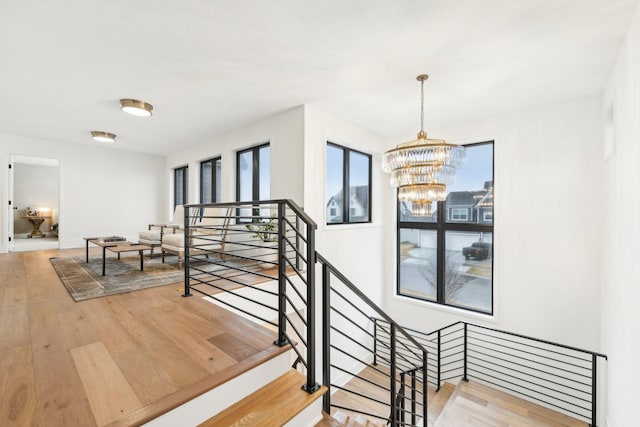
{"type": "Point", "coordinates": [422, 168]}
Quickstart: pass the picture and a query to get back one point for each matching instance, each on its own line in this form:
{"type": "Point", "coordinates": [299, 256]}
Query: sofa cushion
{"type": "Point", "coordinates": [153, 235]}
{"type": "Point", "coordinates": [176, 240]}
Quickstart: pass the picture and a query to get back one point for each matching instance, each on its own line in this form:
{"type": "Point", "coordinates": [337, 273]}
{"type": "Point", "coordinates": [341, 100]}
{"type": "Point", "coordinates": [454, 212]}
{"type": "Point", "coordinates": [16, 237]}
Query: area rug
{"type": "Point", "coordinates": [85, 280]}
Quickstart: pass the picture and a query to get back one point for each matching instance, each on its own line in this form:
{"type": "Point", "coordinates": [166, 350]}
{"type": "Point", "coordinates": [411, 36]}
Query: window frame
{"type": "Point", "coordinates": [441, 226]}
{"type": "Point", "coordinates": [453, 215]}
{"type": "Point", "coordinates": [255, 177]}
{"type": "Point", "coordinates": [184, 171]}
{"type": "Point", "coordinates": [346, 194]}
{"type": "Point", "coordinates": [215, 197]}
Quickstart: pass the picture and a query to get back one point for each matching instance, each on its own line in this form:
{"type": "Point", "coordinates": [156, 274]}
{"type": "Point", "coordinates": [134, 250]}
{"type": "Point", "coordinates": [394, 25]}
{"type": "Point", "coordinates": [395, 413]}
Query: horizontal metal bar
{"type": "Point", "coordinates": [369, 414]}
{"type": "Point", "coordinates": [346, 390]}
{"type": "Point", "coordinates": [364, 298]}
{"type": "Point", "coordinates": [350, 355]}
{"type": "Point", "coordinates": [522, 358]}
{"type": "Point", "coordinates": [524, 380]}
{"type": "Point", "coordinates": [568, 347]}
{"type": "Point", "coordinates": [470, 336]}
{"type": "Point", "coordinates": [293, 347]}
{"type": "Point", "coordinates": [354, 375]}
{"type": "Point", "coordinates": [235, 308]}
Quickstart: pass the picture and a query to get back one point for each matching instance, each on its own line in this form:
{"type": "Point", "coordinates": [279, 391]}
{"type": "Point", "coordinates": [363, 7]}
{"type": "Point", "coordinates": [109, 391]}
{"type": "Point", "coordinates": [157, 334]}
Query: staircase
{"type": "Point", "coordinates": [374, 371]}
{"type": "Point", "coordinates": [470, 404]}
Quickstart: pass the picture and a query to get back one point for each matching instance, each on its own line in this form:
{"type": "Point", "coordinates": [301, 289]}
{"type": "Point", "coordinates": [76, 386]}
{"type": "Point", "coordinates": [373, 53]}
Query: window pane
{"type": "Point", "coordinates": [218, 172]}
{"type": "Point", "coordinates": [245, 176]}
{"type": "Point", "coordinates": [205, 182]}
{"type": "Point", "coordinates": [335, 170]}
{"type": "Point", "coordinates": [405, 213]}
{"type": "Point", "coordinates": [265, 173]}
{"type": "Point", "coordinates": [358, 187]}
{"type": "Point", "coordinates": [468, 270]}
{"type": "Point", "coordinates": [418, 263]}
{"type": "Point", "coordinates": [180, 184]}
{"type": "Point", "coordinates": [473, 190]}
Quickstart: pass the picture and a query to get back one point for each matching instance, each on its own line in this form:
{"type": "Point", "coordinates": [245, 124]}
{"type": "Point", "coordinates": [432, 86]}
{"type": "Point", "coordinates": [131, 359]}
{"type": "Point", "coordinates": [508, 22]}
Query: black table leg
{"type": "Point", "coordinates": [104, 250]}
{"type": "Point", "coordinates": [141, 262]}
{"type": "Point", "coordinates": [86, 252]}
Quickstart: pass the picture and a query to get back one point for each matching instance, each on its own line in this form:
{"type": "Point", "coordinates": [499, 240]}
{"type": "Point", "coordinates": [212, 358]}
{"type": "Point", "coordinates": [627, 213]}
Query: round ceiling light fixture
{"type": "Point", "coordinates": [136, 107]}
{"type": "Point", "coordinates": [101, 136]}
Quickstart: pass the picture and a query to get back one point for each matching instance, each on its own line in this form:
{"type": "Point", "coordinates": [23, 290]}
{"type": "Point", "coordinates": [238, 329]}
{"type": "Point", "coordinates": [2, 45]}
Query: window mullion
{"type": "Point", "coordinates": [345, 186]}
{"type": "Point", "coordinates": [440, 257]}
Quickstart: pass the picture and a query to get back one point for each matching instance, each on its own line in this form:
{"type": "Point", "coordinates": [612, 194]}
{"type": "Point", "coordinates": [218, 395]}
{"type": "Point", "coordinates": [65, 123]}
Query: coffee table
{"type": "Point", "coordinates": [116, 247]}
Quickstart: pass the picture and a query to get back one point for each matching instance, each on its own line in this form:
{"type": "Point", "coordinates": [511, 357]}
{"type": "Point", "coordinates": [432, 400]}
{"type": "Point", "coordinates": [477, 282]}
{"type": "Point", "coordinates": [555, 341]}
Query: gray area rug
{"type": "Point", "coordinates": [84, 280]}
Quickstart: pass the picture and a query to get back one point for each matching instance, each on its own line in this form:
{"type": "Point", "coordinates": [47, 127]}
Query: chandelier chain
{"type": "Point", "coordinates": [422, 106]}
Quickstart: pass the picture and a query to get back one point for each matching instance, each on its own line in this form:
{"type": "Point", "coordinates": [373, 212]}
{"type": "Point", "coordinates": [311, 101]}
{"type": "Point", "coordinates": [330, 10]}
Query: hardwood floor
{"type": "Point", "coordinates": [121, 360]}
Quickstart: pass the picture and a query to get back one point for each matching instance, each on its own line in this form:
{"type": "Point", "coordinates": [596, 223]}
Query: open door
{"type": "Point", "coordinates": [11, 209]}
{"type": "Point", "coordinates": [34, 186]}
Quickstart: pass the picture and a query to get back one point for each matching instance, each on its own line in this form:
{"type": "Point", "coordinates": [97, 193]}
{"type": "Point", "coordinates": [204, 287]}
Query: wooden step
{"type": "Point", "coordinates": [473, 404]}
{"type": "Point", "coordinates": [340, 419]}
{"type": "Point", "coordinates": [273, 405]}
{"type": "Point", "coordinates": [437, 404]}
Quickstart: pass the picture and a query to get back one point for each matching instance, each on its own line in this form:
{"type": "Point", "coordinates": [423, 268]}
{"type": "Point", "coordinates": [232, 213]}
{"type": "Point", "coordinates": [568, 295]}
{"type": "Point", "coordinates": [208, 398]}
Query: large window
{"type": "Point", "coordinates": [253, 175]}
{"type": "Point", "coordinates": [210, 176]}
{"type": "Point", "coordinates": [348, 185]}
{"type": "Point", "coordinates": [180, 185]}
{"type": "Point", "coordinates": [448, 258]}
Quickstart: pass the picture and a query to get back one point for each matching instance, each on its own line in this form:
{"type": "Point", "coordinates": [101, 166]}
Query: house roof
{"type": "Point", "coordinates": [209, 67]}
{"type": "Point", "coordinates": [361, 196]}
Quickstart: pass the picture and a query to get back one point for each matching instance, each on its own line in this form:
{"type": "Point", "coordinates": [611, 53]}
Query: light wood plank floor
{"type": "Point", "coordinates": [121, 360]}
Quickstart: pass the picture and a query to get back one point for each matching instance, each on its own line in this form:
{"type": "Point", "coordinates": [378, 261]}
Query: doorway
{"type": "Point", "coordinates": [35, 203]}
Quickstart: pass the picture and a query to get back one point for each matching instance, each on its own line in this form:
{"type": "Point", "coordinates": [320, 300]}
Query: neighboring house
{"type": "Point", "coordinates": [471, 206]}
{"type": "Point", "coordinates": [358, 205]}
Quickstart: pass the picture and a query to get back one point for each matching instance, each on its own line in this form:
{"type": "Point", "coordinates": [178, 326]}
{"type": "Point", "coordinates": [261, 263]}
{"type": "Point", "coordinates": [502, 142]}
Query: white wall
{"type": "Point", "coordinates": [621, 232]}
{"type": "Point", "coordinates": [284, 132]}
{"type": "Point", "coordinates": [102, 191]}
{"type": "Point", "coordinates": [547, 240]}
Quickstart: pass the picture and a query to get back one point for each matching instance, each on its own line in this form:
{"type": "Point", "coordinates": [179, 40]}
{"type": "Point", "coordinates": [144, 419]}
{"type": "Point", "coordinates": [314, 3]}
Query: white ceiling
{"type": "Point", "coordinates": [212, 66]}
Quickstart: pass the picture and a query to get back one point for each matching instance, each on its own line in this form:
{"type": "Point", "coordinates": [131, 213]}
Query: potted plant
{"type": "Point", "coordinates": [265, 230]}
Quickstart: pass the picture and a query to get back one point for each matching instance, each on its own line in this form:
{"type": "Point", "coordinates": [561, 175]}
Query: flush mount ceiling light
{"type": "Point", "coordinates": [136, 107]}
{"type": "Point", "coordinates": [100, 136]}
{"type": "Point", "coordinates": [422, 168]}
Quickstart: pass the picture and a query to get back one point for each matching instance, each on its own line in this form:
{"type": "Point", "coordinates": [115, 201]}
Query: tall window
{"type": "Point", "coordinates": [448, 258]}
{"type": "Point", "coordinates": [348, 185]}
{"type": "Point", "coordinates": [253, 175]}
{"type": "Point", "coordinates": [180, 185]}
{"type": "Point", "coordinates": [210, 176]}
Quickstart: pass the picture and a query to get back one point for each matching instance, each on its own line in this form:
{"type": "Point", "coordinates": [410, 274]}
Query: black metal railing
{"type": "Point", "coordinates": [369, 361]}
{"type": "Point", "coordinates": [257, 258]}
{"type": "Point", "coordinates": [557, 376]}
{"type": "Point", "coordinates": [388, 384]}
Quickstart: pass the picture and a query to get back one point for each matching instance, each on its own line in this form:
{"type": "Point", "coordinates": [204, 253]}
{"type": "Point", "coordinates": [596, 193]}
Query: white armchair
{"type": "Point", "coordinates": [155, 233]}
{"type": "Point", "coordinates": [206, 236]}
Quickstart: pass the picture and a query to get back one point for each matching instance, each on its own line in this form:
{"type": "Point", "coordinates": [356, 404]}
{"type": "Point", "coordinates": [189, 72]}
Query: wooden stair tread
{"type": "Point", "coordinates": [475, 404]}
{"type": "Point", "coordinates": [340, 419]}
{"type": "Point", "coordinates": [274, 404]}
{"type": "Point", "coordinates": [439, 401]}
